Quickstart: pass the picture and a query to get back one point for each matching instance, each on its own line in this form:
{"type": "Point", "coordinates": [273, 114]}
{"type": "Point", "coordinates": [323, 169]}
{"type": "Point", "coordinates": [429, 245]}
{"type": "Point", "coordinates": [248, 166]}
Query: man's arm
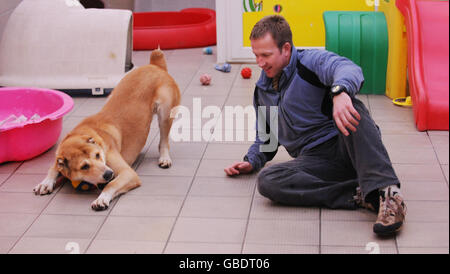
{"type": "Point", "coordinates": [332, 70]}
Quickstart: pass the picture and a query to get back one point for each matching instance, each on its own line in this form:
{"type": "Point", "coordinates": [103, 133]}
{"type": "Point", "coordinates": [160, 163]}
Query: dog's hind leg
{"type": "Point", "coordinates": [165, 123]}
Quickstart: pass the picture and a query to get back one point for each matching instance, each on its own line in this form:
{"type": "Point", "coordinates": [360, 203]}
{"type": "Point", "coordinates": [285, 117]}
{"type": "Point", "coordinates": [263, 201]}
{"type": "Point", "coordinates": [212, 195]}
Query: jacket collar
{"type": "Point", "coordinates": [265, 82]}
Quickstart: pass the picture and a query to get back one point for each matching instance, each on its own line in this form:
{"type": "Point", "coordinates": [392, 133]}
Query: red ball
{"type": "Point", "coordinates": [246, 73]}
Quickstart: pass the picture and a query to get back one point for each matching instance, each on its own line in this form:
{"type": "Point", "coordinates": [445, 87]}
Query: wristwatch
{"type": "Point", "coordinates": [336, 90]}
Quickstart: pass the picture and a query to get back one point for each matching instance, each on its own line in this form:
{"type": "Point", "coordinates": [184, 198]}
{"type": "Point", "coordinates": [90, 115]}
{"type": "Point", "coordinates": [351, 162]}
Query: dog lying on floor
{"type": "Point", "coordinates": [101, 149]}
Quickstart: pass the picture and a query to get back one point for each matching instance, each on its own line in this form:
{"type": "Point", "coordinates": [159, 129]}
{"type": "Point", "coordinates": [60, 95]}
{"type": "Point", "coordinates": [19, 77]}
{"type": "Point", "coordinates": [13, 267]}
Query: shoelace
{"type": "Point", "coordinates": [389, 201]}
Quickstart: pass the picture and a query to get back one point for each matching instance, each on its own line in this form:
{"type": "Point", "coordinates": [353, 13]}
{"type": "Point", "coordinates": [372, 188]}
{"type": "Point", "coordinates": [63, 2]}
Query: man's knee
{"type": "Point", "coordinates": [266, 182]}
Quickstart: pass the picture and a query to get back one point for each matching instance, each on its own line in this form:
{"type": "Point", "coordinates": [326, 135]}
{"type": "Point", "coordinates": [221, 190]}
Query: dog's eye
{"type": "Point", "coordinates": [97, 155]}
{"type": "Point", "coordinates": [85, 167]}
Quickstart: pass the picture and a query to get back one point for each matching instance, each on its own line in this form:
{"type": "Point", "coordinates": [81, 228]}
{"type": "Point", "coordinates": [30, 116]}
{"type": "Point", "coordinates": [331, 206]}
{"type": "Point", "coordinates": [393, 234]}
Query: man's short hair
{"type": "Point", "coordinates": [277, 26]}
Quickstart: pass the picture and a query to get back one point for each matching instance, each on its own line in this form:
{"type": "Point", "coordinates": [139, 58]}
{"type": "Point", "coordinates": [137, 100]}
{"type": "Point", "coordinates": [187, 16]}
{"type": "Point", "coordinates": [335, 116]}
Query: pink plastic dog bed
{"type": "Point", "coordinates": [188, 28]}
{"type": "Point", "coordinates": [27, 139]}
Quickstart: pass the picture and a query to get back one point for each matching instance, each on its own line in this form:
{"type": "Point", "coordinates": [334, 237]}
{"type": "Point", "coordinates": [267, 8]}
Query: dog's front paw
{"type": "Point", "coordinates": [45, 187]}
{"type": "Point", "coordinates": [164, 162]}
{"type": "Point", "coordinates": [102, 203]}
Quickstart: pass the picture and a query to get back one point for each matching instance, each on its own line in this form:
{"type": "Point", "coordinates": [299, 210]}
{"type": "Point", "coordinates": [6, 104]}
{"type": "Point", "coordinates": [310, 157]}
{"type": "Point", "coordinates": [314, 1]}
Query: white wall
{"type": "Point", "coordinates": [6, 8]}
{"type": "Point", "coordinates": [171, 5]}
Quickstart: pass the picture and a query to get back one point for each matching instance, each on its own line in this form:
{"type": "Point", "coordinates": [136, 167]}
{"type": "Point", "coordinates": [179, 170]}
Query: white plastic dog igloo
{"type": "Point", "coordinates": [59, 44]}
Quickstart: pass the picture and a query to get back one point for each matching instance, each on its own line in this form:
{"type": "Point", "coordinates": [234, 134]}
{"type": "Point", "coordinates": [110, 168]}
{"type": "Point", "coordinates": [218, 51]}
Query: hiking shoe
{"type": "Point", "coordinates": [360, 202]}
{"type": "Point", "coordinates": [391, 213]}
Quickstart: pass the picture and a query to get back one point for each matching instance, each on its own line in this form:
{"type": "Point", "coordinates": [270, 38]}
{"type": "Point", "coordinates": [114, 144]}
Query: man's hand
{"type": "Point", "coordinates": [239, 168]}
{"type": "Point", "coordinates": [344, 114]}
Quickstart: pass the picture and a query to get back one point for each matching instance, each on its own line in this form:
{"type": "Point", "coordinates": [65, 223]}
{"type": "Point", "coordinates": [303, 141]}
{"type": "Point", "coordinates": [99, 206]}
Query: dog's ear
{"type": "Point", "coordinates": [61, 163]}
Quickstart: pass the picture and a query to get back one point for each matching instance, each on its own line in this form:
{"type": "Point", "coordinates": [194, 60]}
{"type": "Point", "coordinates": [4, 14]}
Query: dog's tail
{"type": "Point", "coordinates": [157, 58]}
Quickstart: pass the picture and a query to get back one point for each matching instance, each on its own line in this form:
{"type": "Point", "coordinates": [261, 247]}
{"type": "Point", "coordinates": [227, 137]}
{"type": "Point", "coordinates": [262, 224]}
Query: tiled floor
{"type": "Point", "coordinates": [194, 208]}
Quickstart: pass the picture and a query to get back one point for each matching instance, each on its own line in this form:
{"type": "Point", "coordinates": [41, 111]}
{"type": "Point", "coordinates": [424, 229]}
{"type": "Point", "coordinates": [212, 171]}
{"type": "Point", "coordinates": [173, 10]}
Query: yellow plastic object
{"type": "Point", "coordinates": [403, 101]}
{"type": "Point", "coordinates": [398, 53]}
{"type": "Point", "coordinates": [304, 17]}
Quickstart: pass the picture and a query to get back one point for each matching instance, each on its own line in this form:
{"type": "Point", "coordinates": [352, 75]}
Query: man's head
{"type": "Point", "coordinates": [271, 41]}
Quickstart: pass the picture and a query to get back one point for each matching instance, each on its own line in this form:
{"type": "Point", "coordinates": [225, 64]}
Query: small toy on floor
{"type": "Point", "coordinates": [225, 67]}
{"type": "Point", "coordinates": [82, 185]}
{"type": "Point", "coordinates": [208, 51]}
{"type": "Point", "coordinates": [205, 79]}
{"type": "Point", "coordinates": [246, 73]}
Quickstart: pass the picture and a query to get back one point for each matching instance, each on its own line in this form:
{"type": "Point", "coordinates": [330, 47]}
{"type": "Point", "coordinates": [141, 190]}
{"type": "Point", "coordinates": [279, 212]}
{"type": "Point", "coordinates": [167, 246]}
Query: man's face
{"type": "Point", "coordinates": [269, 57]}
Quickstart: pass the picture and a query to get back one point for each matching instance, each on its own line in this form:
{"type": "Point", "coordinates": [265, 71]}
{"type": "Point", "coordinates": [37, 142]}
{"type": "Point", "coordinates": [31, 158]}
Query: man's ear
{"type": "Point", "coordinates": [287, 48]}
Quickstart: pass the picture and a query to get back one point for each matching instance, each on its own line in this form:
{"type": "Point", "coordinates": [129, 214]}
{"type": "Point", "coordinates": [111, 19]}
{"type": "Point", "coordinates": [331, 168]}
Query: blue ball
{"type": "Point", "coordinates": [207, 50]}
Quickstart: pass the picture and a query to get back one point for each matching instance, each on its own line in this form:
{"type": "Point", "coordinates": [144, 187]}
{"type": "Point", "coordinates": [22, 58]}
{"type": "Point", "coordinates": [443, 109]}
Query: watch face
{"type": "Point", "coordinates": [335, 89]}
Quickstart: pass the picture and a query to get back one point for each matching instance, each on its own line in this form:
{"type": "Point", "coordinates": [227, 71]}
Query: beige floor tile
{"type": "Point", "coordinates": [279, 232]}
{"type": "Point", "coordinates": [419, 234]}
{"type": "Point", "coordinates": [216, 207]}
{"type": "Point", "coordinates": [125, 247]}
{"type": "Point", "coordinates": [76, 204]}
{"type": "Point", "coordinates": [380, 101]}
{"type": "Point", "coordinates": [280, 249]}
{"type": "Point", "coordinates": [153, 229]}
{"type": "Point", "coordinates": [21, 183]}
{"type": "Point", "coordinates": [180, 167]}
{"type": "Point", "coordinates": [407, 141]}
{"type": "Point", "coordinates": [423, 250]}
{"type": "Point", "coordinates": [427, 211]}
{"type": "Point", "coordinates": [149, 206]}
{"type": "Point", "coordinates": [90, 107]}
{"type": "Point", "coordinates": [392, 115]}
{"type": "Point", "coordinates": [200, 102]}
{"type": "Point", "coordinates": [425, 190]}
{"type": "Point", "coordinates": [65, 226]}
{"type": "Point", "coordinates": [359, 215]}
{"type": "Point", "coordinates": [6, 243]}
{"type": "Point", "coordinates": [226, 151]}
{"type": "Point", "coordinates": [243, 101]}
{"type": "Point", "coordinates": [442, 155]}
{"type": "Point", "coordinates": [245, 91]}
{"type": "Point", "coordinates": [369, 249]}
{"type": "Point", "coordinates": [445, 169]}
{"type": "Point", "coordinates": [363, 98]}
{"type": "Point", "coordinates": [3, 178]}
{"type": "Point", "coordinates": [265, 209]}
{"type": "Point", "coordinates": [438, 133]}
{"type": "Point", "coordinates": [38, 165]}
{"type": "Point", "coordinates": [338, 233]}
{"type": "Point", "coordinates": [209, 230]}
{"type": "Point", "coordinates": [9, 167]}
{"type": "Point", "coordinates": [441, 147]}
{"type": "Point", "coordinates": [202, 248]}
{"type": "Point", "coordinates": [419, 172]}
{"type": "Point", "coordinates": [412, 156]}
{"type": "Point", "coordinates": [23, 202]}
{"type": "Point", "coordinates": [15, 224]}
{"type": "Point", "coordinates": [226, 136]}
{"type": "Point", "coordinates": [179, 150]}
{"type": "Point", "coordinates": [69, 245]}
{"type": "Point", "coordinates": [214, 168]}
{"type": "Point", "coordinates": [162, 185]}
{"type": "Point", "coordinates": [226, 186]}
{"type": "Point", "coordinates": [398, 128]}
{"type": "Point", "coordinates": [197, 89]}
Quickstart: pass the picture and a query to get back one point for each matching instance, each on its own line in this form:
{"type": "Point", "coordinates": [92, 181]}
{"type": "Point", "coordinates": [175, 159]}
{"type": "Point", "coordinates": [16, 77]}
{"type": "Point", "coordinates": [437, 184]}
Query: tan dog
{"type": "Point", "coordinates": [102, 148]}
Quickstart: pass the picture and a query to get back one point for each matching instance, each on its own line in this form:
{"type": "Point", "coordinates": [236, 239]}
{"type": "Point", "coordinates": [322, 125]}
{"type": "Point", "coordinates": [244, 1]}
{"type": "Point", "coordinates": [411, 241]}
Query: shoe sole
{"type": "Point", "coordinates": [382, 230]}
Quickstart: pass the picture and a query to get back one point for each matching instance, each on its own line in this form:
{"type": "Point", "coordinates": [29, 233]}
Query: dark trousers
{"type": "Point", "coordinates": [327, 175]}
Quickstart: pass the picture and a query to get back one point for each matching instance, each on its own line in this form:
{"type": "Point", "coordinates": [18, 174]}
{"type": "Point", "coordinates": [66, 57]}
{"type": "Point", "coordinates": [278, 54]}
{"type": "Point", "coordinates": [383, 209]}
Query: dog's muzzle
{"type": "Point", "coordinates": [108, 176]}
